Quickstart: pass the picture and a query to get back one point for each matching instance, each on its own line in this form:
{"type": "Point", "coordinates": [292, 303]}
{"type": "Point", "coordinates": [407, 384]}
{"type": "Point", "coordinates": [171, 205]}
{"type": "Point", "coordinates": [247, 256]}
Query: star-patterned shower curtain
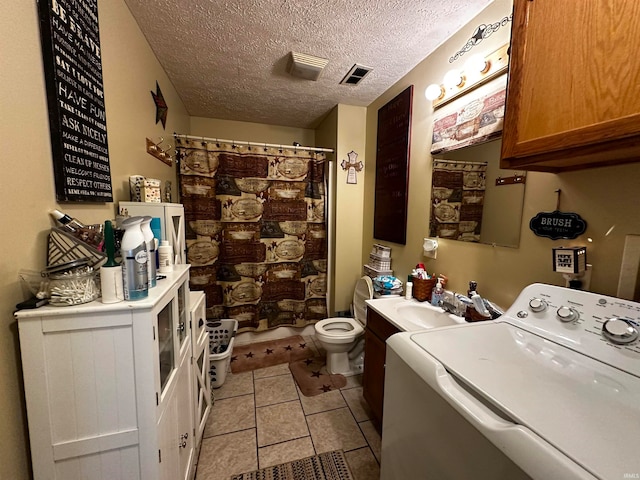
{"type": "Point", "coordinates": [255, 231]}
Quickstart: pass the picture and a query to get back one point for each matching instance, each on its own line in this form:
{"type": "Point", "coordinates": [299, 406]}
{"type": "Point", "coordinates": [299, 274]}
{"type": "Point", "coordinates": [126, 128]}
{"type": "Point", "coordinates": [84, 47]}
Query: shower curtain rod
{"type": "Point", "coordinates": [256, 144]}
{"type": "Point", "coordinates": [463, 162]}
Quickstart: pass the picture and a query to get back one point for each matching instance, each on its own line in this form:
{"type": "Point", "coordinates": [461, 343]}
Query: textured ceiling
{"type": "Point", "coordinates": [228, 59]}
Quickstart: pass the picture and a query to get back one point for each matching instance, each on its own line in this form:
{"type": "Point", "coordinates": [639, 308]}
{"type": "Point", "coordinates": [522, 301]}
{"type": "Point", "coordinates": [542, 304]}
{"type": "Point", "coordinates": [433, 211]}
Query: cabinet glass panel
{"type": "Point", "coordinates": [182, 312]}
{"type": "Point", "coordinates": [165, 343]}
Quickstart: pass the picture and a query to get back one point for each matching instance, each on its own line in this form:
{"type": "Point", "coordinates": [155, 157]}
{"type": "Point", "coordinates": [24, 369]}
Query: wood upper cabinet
{"type": "Point", "coordinates": [573, 94]}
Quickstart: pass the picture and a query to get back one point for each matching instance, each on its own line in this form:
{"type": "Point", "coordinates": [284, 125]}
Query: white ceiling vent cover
{"type": "Point", "coordinates": [356, 74]}
{"type": "Point", "coordinates": [306, 66]}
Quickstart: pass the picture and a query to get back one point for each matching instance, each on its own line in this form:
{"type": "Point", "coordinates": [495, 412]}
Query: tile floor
{"type": "Point", "coordinates": [261, 418]}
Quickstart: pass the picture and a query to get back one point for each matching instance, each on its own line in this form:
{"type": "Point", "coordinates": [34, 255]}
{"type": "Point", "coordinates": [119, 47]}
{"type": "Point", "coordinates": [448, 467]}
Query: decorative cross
{"type": "Point", "coordinates": [353, 166]}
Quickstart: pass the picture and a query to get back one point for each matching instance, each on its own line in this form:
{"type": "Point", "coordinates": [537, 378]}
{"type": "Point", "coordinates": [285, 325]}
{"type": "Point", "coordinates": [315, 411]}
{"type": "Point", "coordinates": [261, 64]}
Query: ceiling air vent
{"type": "Point", "coordinates": [306, 66]}
{"type": "Point", "coordinates": [357, 73]}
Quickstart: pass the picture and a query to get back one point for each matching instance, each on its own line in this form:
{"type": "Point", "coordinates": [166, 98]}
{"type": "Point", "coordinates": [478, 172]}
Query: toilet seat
{"type": "Point", "coordinates": [347, 329]}
{"type": "Point", "coordinates": [339, 328]}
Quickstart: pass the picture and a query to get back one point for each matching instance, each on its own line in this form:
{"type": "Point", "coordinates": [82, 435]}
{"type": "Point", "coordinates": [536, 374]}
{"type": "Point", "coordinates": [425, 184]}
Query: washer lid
{"type": "Point", "coordinates": [586, 409]}
{"type": "Point", "coordinates": [362, 292]}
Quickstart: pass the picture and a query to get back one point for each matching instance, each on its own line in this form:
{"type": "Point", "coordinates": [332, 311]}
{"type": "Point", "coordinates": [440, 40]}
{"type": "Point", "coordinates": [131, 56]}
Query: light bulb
{"type": "Point", "coordinates": [433, 92]}
{"type": "Point", "coordinates": [476, 63]}
{"type": "Point", "coordinates": [453, 78]}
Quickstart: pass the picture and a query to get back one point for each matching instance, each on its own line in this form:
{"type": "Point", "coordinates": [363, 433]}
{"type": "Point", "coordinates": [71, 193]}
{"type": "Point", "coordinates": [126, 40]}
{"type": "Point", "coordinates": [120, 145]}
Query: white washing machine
{"type": "Point", "coordinates": [549, 391]}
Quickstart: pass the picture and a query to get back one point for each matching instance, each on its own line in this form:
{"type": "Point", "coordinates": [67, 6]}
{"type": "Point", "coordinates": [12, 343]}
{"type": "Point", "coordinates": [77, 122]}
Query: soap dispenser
{"type": "Point", "coordinates": [437, 294]}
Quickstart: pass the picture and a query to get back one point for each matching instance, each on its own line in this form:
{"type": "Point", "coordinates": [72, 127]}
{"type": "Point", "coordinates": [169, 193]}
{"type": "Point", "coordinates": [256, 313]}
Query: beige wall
{"type": "Point", "coordinates": [604, 197]}
{"type": "Point", "coordinates": [251, 132]}
{"type": "Point", "coordinates": [349, 205]}
{"type": "Point", "coordinates": [327, 135]}
{"type": "Point", "coordinates": [130, 71]}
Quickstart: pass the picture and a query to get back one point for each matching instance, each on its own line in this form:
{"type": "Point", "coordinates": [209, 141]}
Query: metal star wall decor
{"type": "Point", "coordinates": [481, 32]}
{"type": "Point", "coordinates": [161, 106]}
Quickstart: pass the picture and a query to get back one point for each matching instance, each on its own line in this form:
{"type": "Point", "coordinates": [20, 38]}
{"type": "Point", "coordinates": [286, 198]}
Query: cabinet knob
{"type": "Point", "coordinates": [200, 323]}
{"type": "Point", "coordinates": [181, 327]}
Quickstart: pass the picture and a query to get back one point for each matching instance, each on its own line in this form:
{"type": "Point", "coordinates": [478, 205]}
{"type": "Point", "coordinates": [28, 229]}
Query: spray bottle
{"type": "Point", "coordinates": [150, 240]}
{"type": "Point", "coordinates": [134, 260]}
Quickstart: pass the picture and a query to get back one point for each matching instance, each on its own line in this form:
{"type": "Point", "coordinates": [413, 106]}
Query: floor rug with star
{"type": "Point", "coordinates": [269, 353]}
{"type": "Point", "coordinates": [312, 376]}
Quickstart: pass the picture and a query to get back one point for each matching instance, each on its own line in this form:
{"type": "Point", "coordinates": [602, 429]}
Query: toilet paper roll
{"type": "Point", "coordinates": [111, 284]}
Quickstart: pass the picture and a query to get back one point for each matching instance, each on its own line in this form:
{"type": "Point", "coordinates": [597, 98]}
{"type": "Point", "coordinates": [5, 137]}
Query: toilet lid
{"type": "Point", "coordinates": [363, 291]}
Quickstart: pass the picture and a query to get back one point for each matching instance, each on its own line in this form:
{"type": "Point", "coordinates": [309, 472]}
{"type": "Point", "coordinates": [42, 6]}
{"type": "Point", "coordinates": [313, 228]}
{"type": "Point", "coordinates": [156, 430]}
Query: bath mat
{"type": "Point", "coordinates": [312, 376]}
{"type": "Point", "coordinates": [269, 353]}
{"type": "Point", "coordinates": [326, 466]}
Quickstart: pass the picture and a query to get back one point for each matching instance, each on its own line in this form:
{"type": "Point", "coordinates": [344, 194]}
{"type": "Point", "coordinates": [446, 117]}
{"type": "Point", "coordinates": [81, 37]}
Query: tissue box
{"type": "Point", "coordinates": [150, 191]}
{"type": "Point", "coordinates": [135, 187]}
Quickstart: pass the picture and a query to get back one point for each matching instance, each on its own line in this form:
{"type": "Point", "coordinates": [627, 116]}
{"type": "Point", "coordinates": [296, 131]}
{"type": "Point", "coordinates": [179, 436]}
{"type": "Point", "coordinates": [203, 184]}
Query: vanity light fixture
{"type": "Point", "coordinates": [478, 69]}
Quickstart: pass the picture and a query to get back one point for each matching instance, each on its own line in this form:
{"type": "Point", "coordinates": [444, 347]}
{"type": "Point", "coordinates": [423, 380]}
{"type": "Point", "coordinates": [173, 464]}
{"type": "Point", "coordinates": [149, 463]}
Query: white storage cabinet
{"type": "Point", "coordinates": [109, 387]}
{"type": "Point", "coordinates": [171, 217]}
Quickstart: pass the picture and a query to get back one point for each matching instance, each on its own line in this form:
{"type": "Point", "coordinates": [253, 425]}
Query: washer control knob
{"type": "Point", "coordinates": [620, 331]}
{"type": "Point", "coordinates": [537, 305]}
{"type": "Point", "coordinates": [567, 314]}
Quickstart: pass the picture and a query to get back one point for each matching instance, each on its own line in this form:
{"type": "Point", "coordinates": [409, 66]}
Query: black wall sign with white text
{"type": "Point", "coordinates": [556, 225]}
{"type": "Point", "coordinates": [75, 94]}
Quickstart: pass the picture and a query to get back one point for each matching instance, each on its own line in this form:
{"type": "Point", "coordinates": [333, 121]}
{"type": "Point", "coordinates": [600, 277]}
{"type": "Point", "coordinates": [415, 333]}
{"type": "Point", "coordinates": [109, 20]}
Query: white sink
{"type": "Point", "coordinates": [411, 315]}
{"type": "Point", "coordinates": [425, 316]}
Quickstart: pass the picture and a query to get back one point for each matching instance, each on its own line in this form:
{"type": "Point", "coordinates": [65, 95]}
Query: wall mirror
{"type": "Point", "coordinates": [478, 203]}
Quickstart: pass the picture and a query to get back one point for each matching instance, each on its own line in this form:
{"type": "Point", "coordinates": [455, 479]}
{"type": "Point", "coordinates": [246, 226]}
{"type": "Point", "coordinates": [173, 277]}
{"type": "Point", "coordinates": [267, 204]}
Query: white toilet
{"type": "Point", "coordinates": [343, 337]}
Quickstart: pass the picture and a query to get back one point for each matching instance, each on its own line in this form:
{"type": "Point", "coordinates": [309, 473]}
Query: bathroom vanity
{"type": "Point", "coordinates": [385, 317]}
{"type": "Point", "coordinates": [110, 388]}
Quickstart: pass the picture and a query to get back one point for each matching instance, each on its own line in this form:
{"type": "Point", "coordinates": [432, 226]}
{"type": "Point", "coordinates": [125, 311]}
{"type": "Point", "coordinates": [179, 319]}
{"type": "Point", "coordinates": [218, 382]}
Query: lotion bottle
{"type": "Point", "coordinates": [408, 290]}
{"type": "Point", "coordinates": [165, 254]}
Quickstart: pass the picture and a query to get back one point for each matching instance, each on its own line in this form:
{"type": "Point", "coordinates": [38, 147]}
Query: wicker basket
{"type": "Point", "coordinates": [422, 288]}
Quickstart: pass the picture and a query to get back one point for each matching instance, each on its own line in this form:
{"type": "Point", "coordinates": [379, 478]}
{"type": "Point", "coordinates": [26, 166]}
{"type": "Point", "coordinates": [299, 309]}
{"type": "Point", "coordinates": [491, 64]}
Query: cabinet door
{"type": "Point", "coordinates": [185, 430]}
{"type": "Point", "coordinates": [373, 375]}
{"type": "Point", "coordinates": [572, 94]}
{"type": "Point", "coordinates": [167, 329]}
{"type": "Point", "coordinates": [168, 440]}
{"type": "Point", "coordinates": [175, 231]}
{"type": "Point", "coordinates": [184, 316]}
{"type": "Point", "coordinates": [200, 366]}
